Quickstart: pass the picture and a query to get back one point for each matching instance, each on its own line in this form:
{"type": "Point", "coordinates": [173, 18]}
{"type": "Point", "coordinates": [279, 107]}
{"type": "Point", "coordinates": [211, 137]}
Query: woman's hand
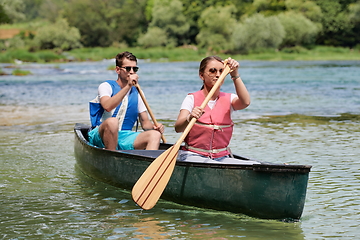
{"type": "Point", "coordinates": [234, 67]}
{"type": "Point", "coordinates": [197, 112]}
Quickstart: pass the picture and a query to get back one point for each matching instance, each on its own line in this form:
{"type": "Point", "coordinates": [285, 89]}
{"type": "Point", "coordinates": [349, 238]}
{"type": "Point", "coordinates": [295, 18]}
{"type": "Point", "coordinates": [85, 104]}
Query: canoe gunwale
{"type": "Point", "coordinates": [80, 129]}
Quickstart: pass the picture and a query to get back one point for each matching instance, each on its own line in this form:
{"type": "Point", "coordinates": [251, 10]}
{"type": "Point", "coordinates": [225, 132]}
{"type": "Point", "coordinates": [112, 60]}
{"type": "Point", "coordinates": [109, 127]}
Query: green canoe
{"type": "Point", "coordinates": [262, 190]}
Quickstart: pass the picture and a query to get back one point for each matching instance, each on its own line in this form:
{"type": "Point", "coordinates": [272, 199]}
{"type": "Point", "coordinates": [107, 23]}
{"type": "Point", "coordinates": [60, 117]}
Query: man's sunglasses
{"type": "Point", "coordinates": [128, 69]}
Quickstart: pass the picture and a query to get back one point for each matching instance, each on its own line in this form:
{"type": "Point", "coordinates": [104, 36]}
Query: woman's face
{"type": "Point", "coordinates": [212, 72]}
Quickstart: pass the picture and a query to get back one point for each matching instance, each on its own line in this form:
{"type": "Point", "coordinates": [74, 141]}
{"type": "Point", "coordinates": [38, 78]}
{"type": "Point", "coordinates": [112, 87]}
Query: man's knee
{"type": "Point", "coordinates": [155, 135]}
{"type": "Point", "coordinates": [109, 126]}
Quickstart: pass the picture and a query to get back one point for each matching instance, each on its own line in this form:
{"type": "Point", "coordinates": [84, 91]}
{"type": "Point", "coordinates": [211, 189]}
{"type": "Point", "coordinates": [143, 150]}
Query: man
{"type": "Point", "coordinates": [122, 104]}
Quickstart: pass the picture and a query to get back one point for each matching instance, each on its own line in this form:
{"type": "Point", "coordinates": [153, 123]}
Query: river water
{"type": "Point", "coordinates": [301, 113]}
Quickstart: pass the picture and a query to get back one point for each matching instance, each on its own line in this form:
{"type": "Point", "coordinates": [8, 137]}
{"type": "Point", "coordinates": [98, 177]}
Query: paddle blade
{"type": "Point", "coordinates": [148, 189]}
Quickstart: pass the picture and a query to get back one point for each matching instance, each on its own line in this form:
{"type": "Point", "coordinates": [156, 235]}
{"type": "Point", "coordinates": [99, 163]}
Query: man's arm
{"type": "Point", "coordinates": [145, 122]}
{"type": "Point", "coordinates": [109, 103]}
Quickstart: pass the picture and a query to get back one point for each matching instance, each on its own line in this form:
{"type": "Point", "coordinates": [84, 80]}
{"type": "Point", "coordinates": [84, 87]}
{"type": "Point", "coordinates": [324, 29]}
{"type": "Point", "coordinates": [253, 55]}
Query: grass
{"type": "Point", "coordinates": [179, 54]}
{"type": "Point", "coordinates": [19, 72]}
{"type": "Point", "coordinates": [153, 54]}
{"type": "Point", "coordinates": [21, 54]}
{"type": "Point", "coordinates": [318, 53]}
{"type": "Point", "coordinates": [25, 26]}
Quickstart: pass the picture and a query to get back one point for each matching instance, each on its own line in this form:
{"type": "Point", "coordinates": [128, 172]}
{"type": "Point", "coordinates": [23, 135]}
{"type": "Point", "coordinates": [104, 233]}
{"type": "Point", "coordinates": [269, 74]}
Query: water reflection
{"type": "Point", "coordinates": [173, 221]}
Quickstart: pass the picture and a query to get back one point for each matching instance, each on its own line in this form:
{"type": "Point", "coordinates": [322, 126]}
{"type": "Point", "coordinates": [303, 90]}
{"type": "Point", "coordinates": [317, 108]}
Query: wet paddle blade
{"type": "Point", "coordinates": [148, 189]}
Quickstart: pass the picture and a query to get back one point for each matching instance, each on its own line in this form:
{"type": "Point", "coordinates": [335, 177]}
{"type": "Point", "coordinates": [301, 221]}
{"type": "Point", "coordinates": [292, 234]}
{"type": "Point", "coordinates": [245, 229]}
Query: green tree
{"type": "Point", "coordinates": [149, 9]}
{"type": "Point", "coordinates": [257, 33]}
{"type": "Point", "coordinates": [336, 25]}
{"type": "Point", "coordinates": [354, 10]}
{"type": "Point", "coordinates": [216, 25]}
{"type": "Point", "coordinates": [104, 22]}
{"type": "Point", "coordinates": [155, 37]}
{"type": "Point", "coordinates": [14, 9]}
{"type": "Point", "coordinates": [193, 9]}
{"type": "Point", "coordinates": [4, 18]}
{"type": "Point", "coordinates": [167, 15]}
{"type": "Point", "coordinates": [127, 21]}
{"type": "Point", "coordinates": [299, 30]}
{"type": "Point", "coordinates": [59, 35]}
{"type": "Point", "coordinates": [90, 17]}
{"type": "Point", "coordinates": [32, 9]}
{"type": "Point", "coordinates": [267, 7]}
{"type": "Point", "coordinates": [354, 18]}
{"type": "Point", "coordinates": [50, 9]}
{"type": "Point", "coordinates": [308, 8]}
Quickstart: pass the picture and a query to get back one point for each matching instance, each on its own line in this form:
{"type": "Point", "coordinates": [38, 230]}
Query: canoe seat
{"type": "Point", "coordinates": [144, 153]}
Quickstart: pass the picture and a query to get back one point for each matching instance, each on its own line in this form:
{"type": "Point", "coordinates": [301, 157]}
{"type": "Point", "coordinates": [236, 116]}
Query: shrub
{"type": "Point", "coordinates": [48, 56]}
{"type": "Point", "coordinates": [19, 72]}
{"type": "Point", "coordinates": [155, 37]}
{"type": "Point", "coordinates": [215, 32]}
{"type": "Point", "coordinates": [5, 58]}
{"type": "Point", "coordinates": [299, 30]}
{"type": "Point", "coordinates": [258, 32]}
{"type": "Point", "coordinates": [167, 15]}
{"type": "Point", "coordinates": [22, 54]}
{"type": "Point", "coordinates": [308, 8]}
{"type": "Point", "coordinates": [59, 35]}
{"type": "Point", "coordinates": [14, 43]}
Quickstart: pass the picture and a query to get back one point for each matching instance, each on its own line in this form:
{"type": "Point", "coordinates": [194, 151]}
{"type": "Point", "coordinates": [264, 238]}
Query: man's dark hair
{"type": "Point", "coordinates": [121, 56]}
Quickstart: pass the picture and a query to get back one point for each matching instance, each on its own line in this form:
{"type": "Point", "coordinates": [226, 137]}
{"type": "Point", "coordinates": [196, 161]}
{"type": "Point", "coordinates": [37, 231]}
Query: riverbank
{"type": "Point", "coordinates": [188, 53]}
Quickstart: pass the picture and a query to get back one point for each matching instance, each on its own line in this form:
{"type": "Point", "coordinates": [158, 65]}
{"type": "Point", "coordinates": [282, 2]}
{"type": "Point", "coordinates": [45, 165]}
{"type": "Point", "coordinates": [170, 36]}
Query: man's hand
{"type": "Point", "coordinates": [159, 128]}
{"type": "Point", "coordinates": [133, 79]}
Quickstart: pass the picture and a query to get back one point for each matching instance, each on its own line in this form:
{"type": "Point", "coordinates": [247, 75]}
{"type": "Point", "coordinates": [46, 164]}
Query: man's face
{"type": "Point", "coordinates": [123, 70]}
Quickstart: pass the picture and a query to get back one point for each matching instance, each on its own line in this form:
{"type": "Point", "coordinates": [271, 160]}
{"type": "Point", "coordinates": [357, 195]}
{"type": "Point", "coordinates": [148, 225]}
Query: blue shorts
{"type": "Point", "coordinates": [126, 139]}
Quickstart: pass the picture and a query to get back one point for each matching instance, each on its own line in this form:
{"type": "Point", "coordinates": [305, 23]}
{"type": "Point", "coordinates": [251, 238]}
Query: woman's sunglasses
{"type": "Point", "coordinates": [213, 71]}
{"type": "Point", "coordinates": [128, 69]}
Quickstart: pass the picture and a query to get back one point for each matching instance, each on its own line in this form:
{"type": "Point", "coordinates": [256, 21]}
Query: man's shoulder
{"type": "Point", "coordinates": [112, 83]}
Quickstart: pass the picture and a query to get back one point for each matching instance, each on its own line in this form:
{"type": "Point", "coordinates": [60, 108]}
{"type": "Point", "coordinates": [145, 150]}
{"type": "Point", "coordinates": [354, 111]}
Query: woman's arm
{"type": "Point", "coordinates": [182, 120]}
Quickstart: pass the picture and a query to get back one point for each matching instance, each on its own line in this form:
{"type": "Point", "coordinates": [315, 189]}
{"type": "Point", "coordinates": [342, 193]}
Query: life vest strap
{"type": "Point", "coordinates": [215, 127]}
{"type": "Point", "coordinates": [205, 150]}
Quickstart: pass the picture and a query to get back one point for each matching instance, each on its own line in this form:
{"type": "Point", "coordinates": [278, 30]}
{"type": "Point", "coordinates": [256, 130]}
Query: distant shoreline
{"type": "Point", "coordinates": [188, 53]}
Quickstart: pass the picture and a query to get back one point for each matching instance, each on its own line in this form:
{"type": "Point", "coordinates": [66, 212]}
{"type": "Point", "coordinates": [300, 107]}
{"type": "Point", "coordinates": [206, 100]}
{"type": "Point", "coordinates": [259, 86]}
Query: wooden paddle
{"type": "Point", "coordinates": [149, 187]}
{"type": "Point", "coordinates": [148, 108]}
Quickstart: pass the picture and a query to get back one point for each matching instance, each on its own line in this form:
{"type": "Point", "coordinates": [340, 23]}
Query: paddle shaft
{"type": "Point", "coordinates": [149, 109]}
{"type": "Point", "coordinates": [149, 187]}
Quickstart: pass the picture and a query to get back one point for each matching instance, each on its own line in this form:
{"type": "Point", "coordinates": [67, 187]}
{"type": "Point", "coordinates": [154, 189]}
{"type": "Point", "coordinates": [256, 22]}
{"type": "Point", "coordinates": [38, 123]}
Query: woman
{"type": "Point", "coordinates": [210, 136]}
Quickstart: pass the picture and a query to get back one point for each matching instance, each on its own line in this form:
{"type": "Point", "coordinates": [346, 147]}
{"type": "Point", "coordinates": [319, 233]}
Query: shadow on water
{"type": "Point", "coordinates": [167, 220]}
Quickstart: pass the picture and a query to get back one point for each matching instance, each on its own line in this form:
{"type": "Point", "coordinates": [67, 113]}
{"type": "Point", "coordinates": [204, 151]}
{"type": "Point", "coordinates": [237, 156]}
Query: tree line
{"type": "Point", "coordinates": [238, 26]}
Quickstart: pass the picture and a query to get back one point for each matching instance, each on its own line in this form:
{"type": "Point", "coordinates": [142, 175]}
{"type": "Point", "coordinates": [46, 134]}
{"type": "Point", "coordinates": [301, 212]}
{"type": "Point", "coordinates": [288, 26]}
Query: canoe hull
{"type": "Point", "coordinates": [268, 191]}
